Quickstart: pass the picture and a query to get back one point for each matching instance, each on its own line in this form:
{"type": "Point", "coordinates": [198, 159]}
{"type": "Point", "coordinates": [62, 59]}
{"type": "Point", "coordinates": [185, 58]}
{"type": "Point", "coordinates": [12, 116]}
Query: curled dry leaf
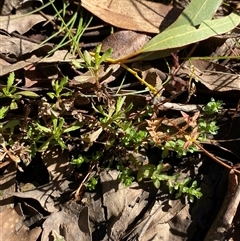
{"type": "Point", "coordinates": [140, 15]}
{"type": "Point", "coordinates": [74, 226]}
{"type": "Point", "coordinates": [13, 227]}
{"type": "Point", "coordinates": [214, 76]}
{"type": "Point", "coordinates": [20, 6]}
{"type": "Point", "coordinates": [15, 46]}
{"type": "Point", "coordinates": [18, 23]}
{"type": "Point", "coordinates": [46, 194]}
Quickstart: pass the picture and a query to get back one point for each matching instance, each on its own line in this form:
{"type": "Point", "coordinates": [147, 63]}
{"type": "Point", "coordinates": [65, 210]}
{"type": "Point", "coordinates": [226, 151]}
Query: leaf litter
{"type": "Point", "coordinates": [37, 200]}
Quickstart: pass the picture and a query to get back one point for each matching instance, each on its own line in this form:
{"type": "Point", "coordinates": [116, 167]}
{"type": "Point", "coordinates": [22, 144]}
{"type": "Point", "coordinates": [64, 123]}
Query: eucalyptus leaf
{"type": "Point", "coordinates": [196, 12]}
{"type": "Point", "coordinates": [183, 35]}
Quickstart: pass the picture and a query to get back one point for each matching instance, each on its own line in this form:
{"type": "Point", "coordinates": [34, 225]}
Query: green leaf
{"type": "Point", "coordinates": [10, 80]}
{"type": "Point", "coordinates": [156, 183]}
{"type": "Point", "coordinates": [61, 143]}
{"type": "Point", "coordinates": [45, 145]}
{"type": "Point", "coordinates": [11, 124]}
{"type": "Point", "coordinates": [97, 56]}
{"type": "Point", "coordinates": [13, 105]}
{"type": "Point", "coordinates": [72, 128]}
{"type": "Point", "coordinates": [196, 12]}
{"type": "Point", "coordinates": [3, 111]}
{"type": "Point", "coordinates": [28, 94]}
{"type": "Point", "coordinates": [77, 64]}
{"type": "Point", "coordinates": [145, 171]}
{"type": "Point", "coordinates": [87, 58]}
{"type": "Point", "coordinates": [186, 34]}
{"type": "Point", "coordinates": [173, 39]}
{"type": "Point", "coordinates": [51, 95]}
{"type": "Point", "coordinates": [43, 128]}
{"type": "Point", "coordinates": [63, 81]}
{"type": "Point", "coordinates": [106, 55]}
{"type": "Point", "coordinates": [120, 103]}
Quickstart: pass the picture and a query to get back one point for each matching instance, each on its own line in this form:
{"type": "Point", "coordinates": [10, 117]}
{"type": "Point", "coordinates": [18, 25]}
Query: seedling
{"type": "Point", "coordinates": [52, 135]}
{"type": "Point", "coordinates": [58, 87]}
{"type": "Point", "coordinates": [10, 91]}
{"type": "Point", "coordinates": [94, 63]}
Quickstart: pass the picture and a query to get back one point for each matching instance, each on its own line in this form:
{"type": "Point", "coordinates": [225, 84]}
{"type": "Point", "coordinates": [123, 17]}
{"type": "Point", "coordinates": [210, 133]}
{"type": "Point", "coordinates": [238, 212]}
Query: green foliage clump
{"type": "Point", "coordinates": [120, 138]}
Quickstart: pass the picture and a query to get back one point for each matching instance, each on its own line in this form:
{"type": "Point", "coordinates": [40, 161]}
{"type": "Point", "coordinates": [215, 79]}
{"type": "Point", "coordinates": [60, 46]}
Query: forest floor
{"type": "Point", "coordinates": [115, 126]}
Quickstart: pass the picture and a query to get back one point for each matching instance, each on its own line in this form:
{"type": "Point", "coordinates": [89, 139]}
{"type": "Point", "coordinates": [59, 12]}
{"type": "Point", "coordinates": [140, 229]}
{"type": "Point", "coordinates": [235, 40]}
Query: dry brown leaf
{"type": "Point", "coordinates": [7, 184]}
{"type": "Point", "coordinates": [19, 23]}
{"type": "Point", "coordinates": [214, 76]}
{"type": "Point", "coordinates": [124, 43]}
{"type": "Point", "coordinates": [15, 46]}
{"type": "Point", "coordinates": [138, 15]}
{"type": "Point", "coordinates": [223, 221]}
{"type": "Point", "coordinates": [46, 194]}
{"type": "Point", "coordinates": [9, 5]}
{"type": "Point", "coordinates": [57, 163]}
{"type": "Point", "coordinates": [123, 204]}
{"type": "Point", "coordinates": [151, 75]}
{"type": "Point", "coordinates": [72, 226]}
{"type": "Point", "coordinates": [58, 56]}
{"type": "Point", "coordinates": [157, 223]}
{"type": "Point", "coordinates": [13, 228]}
{"type": "Point", "coordinates": [19, 6]}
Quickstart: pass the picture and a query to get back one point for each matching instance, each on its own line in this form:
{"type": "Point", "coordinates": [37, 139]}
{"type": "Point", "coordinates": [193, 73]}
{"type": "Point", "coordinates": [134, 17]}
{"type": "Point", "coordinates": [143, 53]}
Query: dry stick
{"type": "Point", "coordinates": [77, 192]}
{"type": "Point", "coordinates": [225, 216]}
{"type": "Point", "coordinates": [205, 151]}
{"type": "Point", "coordinates": [215, 158]}
{"type": "Point", "coordinates": [153, 89]}
{"type": "Point", "coordinates": [113, 61]}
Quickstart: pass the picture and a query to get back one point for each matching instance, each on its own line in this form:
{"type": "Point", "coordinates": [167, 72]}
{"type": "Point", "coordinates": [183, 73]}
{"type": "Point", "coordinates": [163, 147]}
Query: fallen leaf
{"type": "Point", "coordinates": [214, 76]}
{"type": "Point", "coordinates": [123, 204]}
{"type": "Point", "coordinates": [19, 6]}
{"type": "Point", "coordinates": [37, 57]}
{"type": "Point", "coordinates": [20, 24]}
{"type": "Point", "coordinates": [138, 15]}
{"type": "Point", "coordinates": [13, 228]}
{"type": "Point", "coordinates": [186, 34]}
{"type": "Point", "coordinates": [124, 43]}
{"type": "Point", "coordinates": [196, 12]}
{"type": "Point", "coordinates": [159, 222]}
{"type": "Point", "coordinates": [72, 226]}
{"type": "Point", "coordinates": [46, 194]}
{"type": "Point", "coordinates": [15, 46]}
{"type": "Point", "coordinates": [7, 184]}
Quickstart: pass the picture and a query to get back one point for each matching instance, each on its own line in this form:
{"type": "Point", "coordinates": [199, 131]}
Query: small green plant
{"type": "Point", "coordinates": [115, 113]}
{"type": "Point", "coordinates": [213, 107]}
{"type": "Point", "coordinates": [10, 91]}
{"type": "Point", "coordinates": [52, 135]}
{"type": "Point", "coordinates": [7, 127]}
{"type": "Point", "coordinates": [58, 87]}
{"type": "Point", "coordinates": [157, 175]}
{"type": "Point", "coordinates": [91, 184]}
{"type": "Point", "coordinates": [80, 160]}
{"type": "Point", "coordinates": [84, 159]}
{"type": "Point", "coordinates": [126, 175]}
{"type": "Point", "coordinates": [93, 64]}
